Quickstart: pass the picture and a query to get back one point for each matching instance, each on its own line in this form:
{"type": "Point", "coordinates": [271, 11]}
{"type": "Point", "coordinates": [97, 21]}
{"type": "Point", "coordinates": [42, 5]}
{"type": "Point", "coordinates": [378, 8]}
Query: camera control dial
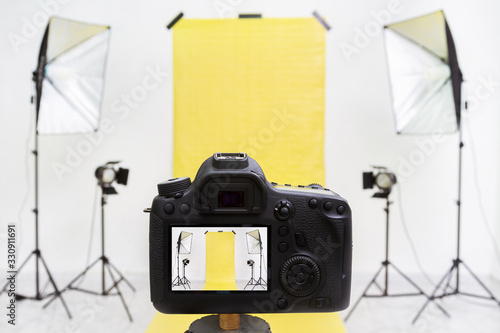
{"type": "Point", "coordinates": [174, 186]}
{"type": "Point", "coordinates": [283, 210]}
{"type": "Point", "coordinates": [300, 276]}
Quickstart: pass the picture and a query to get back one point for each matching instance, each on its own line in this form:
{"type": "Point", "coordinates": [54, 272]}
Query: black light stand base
{"type": "Point", "coordinates": [178, 281]}
{"type": "Point", "coordinates": [456, 290]}
{"type": "Point", "coordinates": [39, 295]}
{"type": "Point", "coordinates": [248, 324]}
{"type": "Point", "coordinates": [256, 283]}
{"type": "Point", "coordinates": [108, 267]}
{"type": "Point", "coordinates": [384, 290]}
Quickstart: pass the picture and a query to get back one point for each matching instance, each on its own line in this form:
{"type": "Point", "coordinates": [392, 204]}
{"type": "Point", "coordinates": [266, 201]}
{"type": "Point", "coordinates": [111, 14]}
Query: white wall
{"type": "Point", "coordinates": [360, 132]}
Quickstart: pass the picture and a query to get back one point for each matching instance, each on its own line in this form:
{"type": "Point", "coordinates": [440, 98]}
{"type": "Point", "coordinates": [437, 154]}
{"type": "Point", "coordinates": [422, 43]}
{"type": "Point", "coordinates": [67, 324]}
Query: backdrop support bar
{"type": "Point", "coordinates": [321, 21]}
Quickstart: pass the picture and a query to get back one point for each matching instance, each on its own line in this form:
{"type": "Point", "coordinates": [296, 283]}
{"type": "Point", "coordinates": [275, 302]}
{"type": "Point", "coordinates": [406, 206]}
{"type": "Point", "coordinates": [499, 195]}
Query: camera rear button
{"type": "Point", "coordinates": [168, 208]}
{"type": "Point", "coordinates": [300, 239]}
{"type": "Point", "coordinates": [184, 208]}
{"type": "Point", "coordinates": [283, 247]}
{"type": "Point", "coordinates": [328, 206]}
{"type": "Point", "coordinates": [282, 303]}
{"type": "Point", "coordinates": [313, 203]}
{"type": "Point", "coordinates": [283, 231]}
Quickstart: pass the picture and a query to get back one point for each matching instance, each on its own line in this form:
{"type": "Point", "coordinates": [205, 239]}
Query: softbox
{"type": "Point", "coordinates": [424, 75]}
{"type": "Point", "coordinates": [254, 243]}
{"type": "Point", "coordinates": [184, 242]}
{"type": "Point", "coordinates": [70, 77]}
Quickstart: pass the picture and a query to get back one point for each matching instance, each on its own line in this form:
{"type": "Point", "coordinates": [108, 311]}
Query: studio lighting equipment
{"type": "Point", "coordinates": [106, 175]}
{"type": "Point", "coordinates": [69, 81]}
{"type": "Point", "coordinates": [426, 83]}
{"type": "Point", "coordinates": [385, 180]}
{"type": "Point", "coordinates": [184, 243]}
{"type": "Point", "coordinates": [254, 246]}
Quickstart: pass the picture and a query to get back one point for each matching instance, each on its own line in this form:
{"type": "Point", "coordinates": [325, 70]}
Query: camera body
{"type": "Point", "coordinates": [297, 239]}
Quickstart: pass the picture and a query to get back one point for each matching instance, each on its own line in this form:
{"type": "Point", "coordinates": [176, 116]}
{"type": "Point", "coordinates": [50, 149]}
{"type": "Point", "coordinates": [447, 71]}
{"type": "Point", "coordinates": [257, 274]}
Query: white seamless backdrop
{"type": "Point", "coordinates": [137, 129]}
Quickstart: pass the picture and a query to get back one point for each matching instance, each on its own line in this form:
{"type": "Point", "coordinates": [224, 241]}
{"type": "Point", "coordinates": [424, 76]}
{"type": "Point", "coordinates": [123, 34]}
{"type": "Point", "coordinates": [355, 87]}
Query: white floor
{"type": "Point", "coordinates": [106, 314]}
{"type": "Point", "coordinates": [91, 314]}
{"type": "Point", "coordinates": [395, 314]}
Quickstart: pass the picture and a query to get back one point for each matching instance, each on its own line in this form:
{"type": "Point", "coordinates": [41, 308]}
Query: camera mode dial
{"type": "Point", "coordinates": [300, 276]}
{"type": "Point", "coordinates": [174, 186]}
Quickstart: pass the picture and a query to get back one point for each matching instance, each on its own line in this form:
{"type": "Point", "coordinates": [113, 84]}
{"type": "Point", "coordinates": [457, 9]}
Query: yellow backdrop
{"type": "Point", "coordinates": [254, 86]}
{"type": "Point", "coordinates": [220, 271]}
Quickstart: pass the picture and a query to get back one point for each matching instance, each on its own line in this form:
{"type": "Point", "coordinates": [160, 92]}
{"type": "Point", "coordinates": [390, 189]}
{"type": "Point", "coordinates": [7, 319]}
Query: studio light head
{"type": "Point", "coordinates": [108, 174]}
{"type": "Point", "coordinates": [185, 261]}
{"type": "Point", "coordinates": [383, 179]}
{"type": "Point", "coordinates": [250, 262]}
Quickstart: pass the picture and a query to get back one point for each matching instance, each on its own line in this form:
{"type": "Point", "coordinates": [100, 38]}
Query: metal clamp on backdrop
{"type": "Point", "coordinates": [175, 20]}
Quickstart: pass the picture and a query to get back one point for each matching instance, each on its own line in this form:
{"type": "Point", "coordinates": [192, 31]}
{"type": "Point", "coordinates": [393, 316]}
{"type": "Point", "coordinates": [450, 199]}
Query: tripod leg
{"type": "Point", "coordinates": [433, 295]}
{"type": "Point", "coordinates": [248, 283]}
{"type": "Point", "coordinates": [364, 293]}
{"type": "Point", "coordinates": [417, 287]}
{"type": "Point", "coordinates": [448, 280]}
{"type": "Point", "coordinates": [122, 277]}
{"type": "Point", "coordinates": [18, 270]}
{"type": "Point", "coordinates": [119, 293]}
{"type": "Point", "coordinates": [492, 297]}
{"type": "Point", "coordinates": [57, 293]}
{"type": "Point", "coordinates": [79, 276]}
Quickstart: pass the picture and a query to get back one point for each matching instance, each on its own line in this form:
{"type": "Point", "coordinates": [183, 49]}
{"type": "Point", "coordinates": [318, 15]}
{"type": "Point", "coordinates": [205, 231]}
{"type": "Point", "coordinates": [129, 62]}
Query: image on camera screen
{"type": "Point", "coordinates": [219, 258]}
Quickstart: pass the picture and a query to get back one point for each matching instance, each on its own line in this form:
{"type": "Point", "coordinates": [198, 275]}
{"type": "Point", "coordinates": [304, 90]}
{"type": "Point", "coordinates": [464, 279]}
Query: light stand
{"type": "Point", "coordinates": [445, 282]}
{"type": "Point", "coordinates": [384, 290]}
{"type": "Point", "coordinates": [185, 280]}
{"type": "Point", "coordinates": [181, 281]}
{"type": "Point", "coordinates": [184, 247]}
{"type": "Point", "coordinates": [427, 93]}
{"type": "Point", "coordinates": [255, 235]}
{"type": "Point", "coordinates": [252, 281]}
{"type": "Point", "coordinates": [107, 266]}
{"type": "Point", "coordinates": [36, 253]}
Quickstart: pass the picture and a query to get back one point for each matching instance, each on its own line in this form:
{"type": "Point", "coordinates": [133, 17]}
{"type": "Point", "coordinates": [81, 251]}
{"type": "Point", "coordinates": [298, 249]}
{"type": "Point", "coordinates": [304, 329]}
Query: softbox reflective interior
{"type": "Point", "coordinates": [424, 75]}
{"type": "Point", "coordinates": [184, 242]}
{"type": "Point", "coordinates": [254, 242]}
{"type": "Point", "coordinates": [70, 77]}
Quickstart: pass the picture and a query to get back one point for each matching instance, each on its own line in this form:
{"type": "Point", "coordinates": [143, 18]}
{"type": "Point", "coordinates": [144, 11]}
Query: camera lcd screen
{"type": "Point", "coordinates": [231, 199]}
{"type": "Point", "coordinates": [219, 259]}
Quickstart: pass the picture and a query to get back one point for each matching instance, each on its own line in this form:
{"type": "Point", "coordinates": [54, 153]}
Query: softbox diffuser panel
{"type": "Point", "coordinates": [73, 77]}
{"type": "Point", "coordinates": [253, 242]}
{"type": "Point", "coordinates": [185, 241]}
{"type": "Point", "coordinates": [424, 75]}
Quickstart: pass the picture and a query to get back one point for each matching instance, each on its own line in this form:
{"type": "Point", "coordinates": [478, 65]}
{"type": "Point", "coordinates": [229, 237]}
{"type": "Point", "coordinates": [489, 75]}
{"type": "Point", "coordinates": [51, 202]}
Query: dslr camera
{"type": "Point", "coordinates": [232, 242]}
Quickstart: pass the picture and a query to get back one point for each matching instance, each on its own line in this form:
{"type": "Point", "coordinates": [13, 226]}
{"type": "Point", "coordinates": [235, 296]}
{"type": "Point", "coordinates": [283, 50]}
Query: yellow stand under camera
{"type": "Point", "coordinates": [280, 323]}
